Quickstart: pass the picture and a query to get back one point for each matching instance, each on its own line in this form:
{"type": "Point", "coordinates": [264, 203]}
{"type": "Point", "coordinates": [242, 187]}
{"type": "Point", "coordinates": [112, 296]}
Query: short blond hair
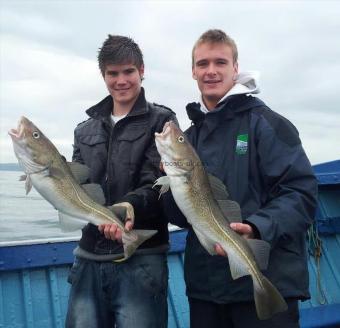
{"type": "Point", "coordinates": [216, 36]}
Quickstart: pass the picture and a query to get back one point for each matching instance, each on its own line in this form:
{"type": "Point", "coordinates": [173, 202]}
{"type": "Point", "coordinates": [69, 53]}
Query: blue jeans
{"type": "Point", "coordinates": [131, 294]}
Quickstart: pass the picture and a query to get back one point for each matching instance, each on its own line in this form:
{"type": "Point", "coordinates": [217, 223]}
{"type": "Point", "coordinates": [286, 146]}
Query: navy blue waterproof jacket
{"type": "Point", "coordinates": [258, 155]}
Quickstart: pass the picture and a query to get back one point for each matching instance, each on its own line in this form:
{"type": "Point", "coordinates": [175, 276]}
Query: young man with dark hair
{"type": "Point", "coordinates": [117, 144]}
{"type": "Point", "coordinates": [259, 157]}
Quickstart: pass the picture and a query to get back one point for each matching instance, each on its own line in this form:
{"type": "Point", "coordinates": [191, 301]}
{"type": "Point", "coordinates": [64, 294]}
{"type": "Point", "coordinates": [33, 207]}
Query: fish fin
{"type": "Point", "coordinates": [70, 223]}
{"type": "Point", "coordinates": [208, 245]}
{"type": "Point", "coordinates": [23, 177]}
{"type": "Point", "coordinates": [56, 173]}
{"type": "Point", "coordinates": [218, 188]}
{"type": "Point", "coordinates": [261, 250]}
{"type": "Point", "coordinates": [119, 211]}
{"type": "Point", "coordinates": [237, 267]}
{"type": "Point", "coordinates": [231, 210]}
{"type": "Point", "coordinates": [164, 182]}
{"type": "Point", "coordinates": [121, 259]}
{"type": "Point", "coordinates": [132, 240]}
{"type": "Point", "coordinates": [79, 171]}
{"type": "Point", "coordinates": [28, 184]}
{"type": "Point", "coordinates": [95, 191]}
{"type": "Point", "coordinates": [268, 299]}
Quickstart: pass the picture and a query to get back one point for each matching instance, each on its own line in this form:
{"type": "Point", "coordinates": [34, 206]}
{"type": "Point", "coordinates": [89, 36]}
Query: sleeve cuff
{"type": "Point", "coordinates": [134, 200]}
{"type": "Point", "coordinates": [266, 228]}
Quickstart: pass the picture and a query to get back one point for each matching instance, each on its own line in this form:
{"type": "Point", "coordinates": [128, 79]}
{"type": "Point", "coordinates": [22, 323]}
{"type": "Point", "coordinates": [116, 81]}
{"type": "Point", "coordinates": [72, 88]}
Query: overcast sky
{"type": "Point", "coordinates": [49, 73]}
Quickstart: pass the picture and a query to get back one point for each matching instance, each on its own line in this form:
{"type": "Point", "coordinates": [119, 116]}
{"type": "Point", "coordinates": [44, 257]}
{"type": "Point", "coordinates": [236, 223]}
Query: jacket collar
{"type": "Point", "coordinates": [226, 109]}
{"type": "Point", "coordinates": [104, 108]}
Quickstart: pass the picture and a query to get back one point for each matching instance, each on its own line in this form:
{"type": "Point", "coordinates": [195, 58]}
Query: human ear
{"type": "Point", "coordinates": [194, 76]}
{"type": "Point", "coordinates": [235, 71]}
{"type": "Point", "coordinates": [141, 72]}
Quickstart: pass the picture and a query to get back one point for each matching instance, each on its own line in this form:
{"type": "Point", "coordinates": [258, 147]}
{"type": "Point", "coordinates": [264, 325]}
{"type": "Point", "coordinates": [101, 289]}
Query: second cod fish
{"type": "Point", "coordinates": [52, 177]}
{"type": "Point", "coordinates": [204, 202]}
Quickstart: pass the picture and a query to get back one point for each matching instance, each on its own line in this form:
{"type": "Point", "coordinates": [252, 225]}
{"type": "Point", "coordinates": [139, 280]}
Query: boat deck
{"type": "Point", "coordinates": [33, 276]}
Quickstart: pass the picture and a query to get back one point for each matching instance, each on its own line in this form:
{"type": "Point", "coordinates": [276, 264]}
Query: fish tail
{"type": "Point", "coordinates": [268, 299]}
{"type": "Point", "coordinates": [132, 240]}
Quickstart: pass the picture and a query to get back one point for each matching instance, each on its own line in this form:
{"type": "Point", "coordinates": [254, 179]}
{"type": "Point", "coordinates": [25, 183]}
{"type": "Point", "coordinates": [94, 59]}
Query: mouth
{"type": "Point", "coordinates": [18, 133]}
{"type": "Point", "coordinates": [166, 130]}
{"type": "Point", "coordinates": [212, 82]}
{"type": "Point", "coordinates": [122, 89]}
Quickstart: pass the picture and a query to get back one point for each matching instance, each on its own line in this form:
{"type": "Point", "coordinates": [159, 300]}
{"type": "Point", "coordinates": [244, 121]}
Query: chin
{"type": "Point", "coordinates": [126, 95]}
{"type": "Point", "coordinates": [126, 100]}
{"type": "Point", "coordinates": [212, 95]}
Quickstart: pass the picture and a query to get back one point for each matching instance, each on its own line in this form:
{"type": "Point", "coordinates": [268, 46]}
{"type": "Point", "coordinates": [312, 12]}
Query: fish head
{"type": "Point", "coordinates": [177, 154]}
{"type": "Point", "coordinates": [32, 148]}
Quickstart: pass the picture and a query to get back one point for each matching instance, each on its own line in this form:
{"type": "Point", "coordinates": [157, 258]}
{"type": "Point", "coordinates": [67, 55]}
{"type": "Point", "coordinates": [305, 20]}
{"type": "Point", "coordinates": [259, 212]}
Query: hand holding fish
{"type": "Point", "coordinates": [245, 230]}
{"type": "Point", "coordinates": [113, 232]}
{"type": "Point", "coordinates": [125, 212]}
{"type": "Point", "coordinates": [215, 218]}
{"type": "Point", "coordinates": [65, 186]}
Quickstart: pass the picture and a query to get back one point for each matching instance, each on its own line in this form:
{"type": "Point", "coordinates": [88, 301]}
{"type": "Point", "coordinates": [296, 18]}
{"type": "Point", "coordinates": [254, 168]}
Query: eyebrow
{"type": "Point", "coordinates": [217, 59]}
{"type": "Point", "coordinates": [124, 70]}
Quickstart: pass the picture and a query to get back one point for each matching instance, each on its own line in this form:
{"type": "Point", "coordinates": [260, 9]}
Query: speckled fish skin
{"type": "Point", "coordinates": [51, 176]}
{"type": "Point", "coordinates": [192, 192]}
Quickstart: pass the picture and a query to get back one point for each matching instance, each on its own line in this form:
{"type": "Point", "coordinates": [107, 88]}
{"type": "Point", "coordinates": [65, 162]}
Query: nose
{"type": "Point", "coordinates": [211, 69]}
{"type": "Point", "coordinates": [121, 79]}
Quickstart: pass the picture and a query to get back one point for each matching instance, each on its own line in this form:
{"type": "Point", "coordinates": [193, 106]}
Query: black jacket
{"type": "Point", "coordinates": [258, 155]}
{"type": "Point", "coordinates": [123, 158]}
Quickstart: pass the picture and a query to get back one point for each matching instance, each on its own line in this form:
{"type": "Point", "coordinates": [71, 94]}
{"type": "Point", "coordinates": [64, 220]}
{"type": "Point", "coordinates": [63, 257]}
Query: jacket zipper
{"type": "Point", "coordinates": [108, 166]}
{"type": "Point", "coordinates": [109, 172]}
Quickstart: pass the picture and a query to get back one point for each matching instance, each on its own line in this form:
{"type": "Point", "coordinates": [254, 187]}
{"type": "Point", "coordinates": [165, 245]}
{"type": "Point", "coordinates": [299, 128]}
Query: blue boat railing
{"type": "Point", "coordinates": [33, 274]}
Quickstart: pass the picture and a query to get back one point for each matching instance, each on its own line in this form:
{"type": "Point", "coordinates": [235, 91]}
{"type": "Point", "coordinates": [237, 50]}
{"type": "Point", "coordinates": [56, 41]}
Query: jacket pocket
{"type": "Point", "coordinates": [93, 150]}
{"type": "Point", "coordinates": [130, 148]}
{"type": "Point", "coordinates": [92, 140]}
{"type": "Point", "coordinates": [73, 276]}
{"type": "Point", "coordinates": [132, 134]}
{"type": "Point", "coordinates": [151, 273]}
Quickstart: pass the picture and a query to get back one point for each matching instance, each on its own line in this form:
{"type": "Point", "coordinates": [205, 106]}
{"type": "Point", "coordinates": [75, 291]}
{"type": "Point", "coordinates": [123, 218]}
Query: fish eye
{"type": "Point", "coordinates": [36, 135]}
{"type": "Point", "coordinates": [180, 139]}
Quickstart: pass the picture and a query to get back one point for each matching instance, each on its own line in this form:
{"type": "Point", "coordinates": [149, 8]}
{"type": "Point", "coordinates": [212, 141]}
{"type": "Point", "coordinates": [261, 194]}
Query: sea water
{"type": "Point", "coordinates": [29, 218]}
{"type": "Point", "coordinates": [26, 217]}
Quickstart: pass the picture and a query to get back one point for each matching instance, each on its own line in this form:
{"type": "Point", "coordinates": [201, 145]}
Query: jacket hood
{"type": "Point", "coordinates": [237, 99]}
{"type": "Point", "coordinates": [246, 83]}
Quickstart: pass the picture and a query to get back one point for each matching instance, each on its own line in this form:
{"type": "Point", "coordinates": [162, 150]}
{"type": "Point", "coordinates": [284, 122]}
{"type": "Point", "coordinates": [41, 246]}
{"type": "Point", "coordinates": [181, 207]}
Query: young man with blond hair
{"type": "Point", "coordinates": [259, 157]}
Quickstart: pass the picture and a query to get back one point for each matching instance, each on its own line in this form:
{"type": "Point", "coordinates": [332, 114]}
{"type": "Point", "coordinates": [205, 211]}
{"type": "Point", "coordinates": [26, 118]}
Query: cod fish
{"type": "Point", "coordinates": [204, 202]}
{"type": "Point", "coordinates": [58, 182]}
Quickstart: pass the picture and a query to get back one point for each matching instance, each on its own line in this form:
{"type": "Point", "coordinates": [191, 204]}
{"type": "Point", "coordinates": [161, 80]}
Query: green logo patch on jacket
{"type": "Point", "coordinates": [242, 144]}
